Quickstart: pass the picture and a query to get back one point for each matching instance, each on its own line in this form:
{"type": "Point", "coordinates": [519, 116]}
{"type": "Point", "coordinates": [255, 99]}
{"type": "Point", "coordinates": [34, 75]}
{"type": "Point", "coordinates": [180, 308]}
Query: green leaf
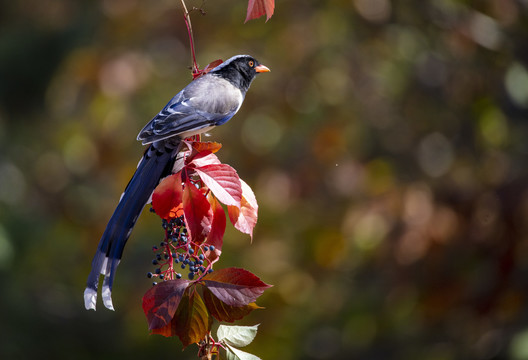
{"type": "Point", "coordinates": [237, 335]}
{"type": "Point", "coordinates": [192, 321]}
{"type": "Point", "coordinates": [232, 353]}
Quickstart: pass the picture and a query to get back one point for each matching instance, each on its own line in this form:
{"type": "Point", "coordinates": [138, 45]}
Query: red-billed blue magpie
{"type": "Point", "coordinates": [206, 102]}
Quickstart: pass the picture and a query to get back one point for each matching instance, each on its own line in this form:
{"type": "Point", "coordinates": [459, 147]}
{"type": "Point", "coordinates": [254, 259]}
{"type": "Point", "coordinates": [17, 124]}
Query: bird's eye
{"type": "Point", "coordinates": [251, 63]}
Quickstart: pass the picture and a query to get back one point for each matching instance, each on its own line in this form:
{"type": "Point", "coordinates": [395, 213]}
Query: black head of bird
{"type": "Point", "coordinates": [240, 70]}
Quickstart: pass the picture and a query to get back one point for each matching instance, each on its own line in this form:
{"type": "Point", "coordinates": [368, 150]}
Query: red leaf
{"type": "Point", "coordinates": [223, 181]}
{"type": "Point", "coordinates": [161, 301]}
{"type": "Point", "coordinates": [206, 69]}
{"type": "Point", "coordinates": [203, 158]}
{"type": "Point", "coordinates": [192, 321]}
{"type": "Point", "coordinates": [211, 146]}
{"type": "Point", "coordinates": [167, 196]}
{"type": "Point", "coordinates": [212, 65]}
{"type": "Point", "coordinates": [235, 286]}
{"type": "Point", "coordinates": [245, 218]}
{"type": "Point", "coordinates": [257, 8]}
{"type": "Point", "coordinates": [223, 312]}
{"type": "Point", "coordinates": [198, 212]}
{"type": "Point", "coordinates": [216, 235]}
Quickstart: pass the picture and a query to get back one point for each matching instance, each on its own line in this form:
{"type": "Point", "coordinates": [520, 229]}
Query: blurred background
{"type": "Point", "coordinates": [387, 149]}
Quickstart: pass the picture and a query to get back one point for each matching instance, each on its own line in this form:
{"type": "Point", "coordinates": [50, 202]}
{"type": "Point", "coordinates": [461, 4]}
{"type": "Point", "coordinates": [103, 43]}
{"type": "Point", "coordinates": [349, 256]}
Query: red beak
{"type": "Point", "coordinates": [261, 68]}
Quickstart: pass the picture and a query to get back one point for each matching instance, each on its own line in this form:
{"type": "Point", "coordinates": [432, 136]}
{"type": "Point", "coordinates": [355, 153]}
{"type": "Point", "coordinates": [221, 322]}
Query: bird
{"type": "Point", "coordinates": [206, 102]}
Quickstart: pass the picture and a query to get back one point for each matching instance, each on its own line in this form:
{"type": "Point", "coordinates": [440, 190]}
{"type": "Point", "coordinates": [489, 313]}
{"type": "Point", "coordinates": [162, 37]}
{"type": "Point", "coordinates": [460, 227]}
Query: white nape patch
{"type": "Point", "coordinates": [107, 298]}
{"type": "Point", "coordinates": [228, 61]}
{"type": "Point", "coordinates": [90, 299]}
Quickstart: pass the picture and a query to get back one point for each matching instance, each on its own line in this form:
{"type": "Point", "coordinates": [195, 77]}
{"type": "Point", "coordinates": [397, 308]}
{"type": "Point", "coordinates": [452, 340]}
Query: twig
{"type": "Point", "coordinates": [187, 20]}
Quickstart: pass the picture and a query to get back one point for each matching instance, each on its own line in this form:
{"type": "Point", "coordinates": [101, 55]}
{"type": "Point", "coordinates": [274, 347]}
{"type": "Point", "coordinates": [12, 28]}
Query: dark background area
{"type": "Point", "coordinates": [387, 149]}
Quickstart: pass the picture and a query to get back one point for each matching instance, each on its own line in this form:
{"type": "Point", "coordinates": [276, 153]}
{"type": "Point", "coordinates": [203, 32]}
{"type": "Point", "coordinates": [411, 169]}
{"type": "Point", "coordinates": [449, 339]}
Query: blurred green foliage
{"type": "Point", "coordinates": [387, 149]}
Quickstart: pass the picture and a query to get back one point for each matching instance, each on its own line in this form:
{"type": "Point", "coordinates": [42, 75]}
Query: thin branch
{"type": "Point", "coordinates": [195, 69]}
{"type": "Point", "coordinates": [187, 20]}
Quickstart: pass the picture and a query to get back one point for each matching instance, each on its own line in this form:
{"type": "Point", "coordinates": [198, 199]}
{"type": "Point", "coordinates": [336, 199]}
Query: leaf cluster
{"type": "Point", "coordinates": [186, 308]}
{"type": "Point", "coordinates": [200, 184]}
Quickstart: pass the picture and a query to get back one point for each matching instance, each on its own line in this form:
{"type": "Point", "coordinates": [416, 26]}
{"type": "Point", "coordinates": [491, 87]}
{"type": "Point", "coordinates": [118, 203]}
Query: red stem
{"type": "Point", "coordinates": [187, 20]}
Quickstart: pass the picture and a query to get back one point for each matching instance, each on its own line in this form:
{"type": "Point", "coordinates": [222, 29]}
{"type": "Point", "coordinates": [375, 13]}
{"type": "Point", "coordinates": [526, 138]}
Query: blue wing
{"type": "Point", "coordinates": [206, 102]}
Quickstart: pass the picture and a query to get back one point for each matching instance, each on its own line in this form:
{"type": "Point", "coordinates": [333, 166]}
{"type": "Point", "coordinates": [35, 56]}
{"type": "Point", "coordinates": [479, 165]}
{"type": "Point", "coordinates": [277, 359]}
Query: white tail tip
{"type": "Point", "coordinates": [90, 299]}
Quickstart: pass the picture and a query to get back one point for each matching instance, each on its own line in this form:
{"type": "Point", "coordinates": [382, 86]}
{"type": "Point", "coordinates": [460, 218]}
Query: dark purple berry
{"type": "Point", "coordinates": [154, 262]}
{"type": "Point", "coordinates": [149, 275]}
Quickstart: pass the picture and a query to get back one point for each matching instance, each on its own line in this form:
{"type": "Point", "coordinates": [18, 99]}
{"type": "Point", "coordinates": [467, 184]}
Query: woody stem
{"type": "Point", "coordinates": [187, 20]}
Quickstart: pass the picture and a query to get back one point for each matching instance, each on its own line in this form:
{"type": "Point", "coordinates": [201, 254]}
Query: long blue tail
{"type": "Point", "coordinates": [156, 163]}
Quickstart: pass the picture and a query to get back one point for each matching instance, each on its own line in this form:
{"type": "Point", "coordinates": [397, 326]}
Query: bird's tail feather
{"type": "Point", "coordinates": [156, 163]}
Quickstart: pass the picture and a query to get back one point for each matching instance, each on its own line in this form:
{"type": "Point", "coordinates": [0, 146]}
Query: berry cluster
{"type": "Point", "coordinates": [178, 249]}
